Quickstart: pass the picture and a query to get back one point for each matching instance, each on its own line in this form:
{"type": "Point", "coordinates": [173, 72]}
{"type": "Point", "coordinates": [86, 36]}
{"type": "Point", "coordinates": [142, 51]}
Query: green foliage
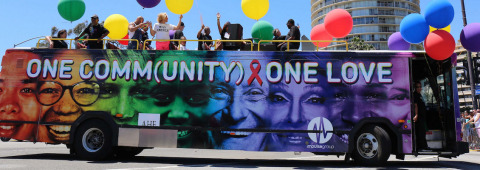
{"type": "Point", "coordinates": [358, 44]}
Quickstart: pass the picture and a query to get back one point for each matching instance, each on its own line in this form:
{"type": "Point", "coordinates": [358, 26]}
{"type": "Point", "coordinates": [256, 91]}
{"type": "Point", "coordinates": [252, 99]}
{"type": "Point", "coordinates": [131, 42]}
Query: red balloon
{"type": "Point", "coordinates": [320, 33]}
{"type": "Point", "coordinates": [439, 45]}
{"type": "Point", "coordinates": [124, 42]}
{"type": "Point", "coordinates": [338, 23]}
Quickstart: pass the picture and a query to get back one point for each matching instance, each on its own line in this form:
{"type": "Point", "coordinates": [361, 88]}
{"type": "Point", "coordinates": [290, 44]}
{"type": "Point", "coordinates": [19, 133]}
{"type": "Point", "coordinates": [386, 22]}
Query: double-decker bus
{"type": "Point", "coordinates": [101, 103]}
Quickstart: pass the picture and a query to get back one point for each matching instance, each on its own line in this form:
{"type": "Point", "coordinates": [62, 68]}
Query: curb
{"type": "Point", "coordinates": [474, 150]}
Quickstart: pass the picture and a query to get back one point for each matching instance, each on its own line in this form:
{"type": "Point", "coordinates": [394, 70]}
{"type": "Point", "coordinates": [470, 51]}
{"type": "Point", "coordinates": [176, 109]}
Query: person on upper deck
{"type": "Point", "coordinates": [178, 35]}
{"type": "Point", "coordinates": [293, 34]}
{"type": "Point", "coordinates": [95, 31]}
{"type": "Point", "coordinates": [135, 31]}
{"type": "Point", "coordinates": [205, 35]}
{"type": "Point", "coordinates": [161, 30]}
{"type": "Point", "coordinates": [58, 43]}
{"type": "Point", "coordinates": [277, 35]}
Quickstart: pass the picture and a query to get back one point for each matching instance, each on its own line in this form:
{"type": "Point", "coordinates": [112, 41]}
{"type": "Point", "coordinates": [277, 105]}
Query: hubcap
{"type": "Point", "coordinates": [367, 145]}
{"type": "Point", "coordinates": [93, 140]}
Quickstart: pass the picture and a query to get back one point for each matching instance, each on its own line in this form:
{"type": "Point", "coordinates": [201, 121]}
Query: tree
{"type": "Point", "coordinates": [358, 44]}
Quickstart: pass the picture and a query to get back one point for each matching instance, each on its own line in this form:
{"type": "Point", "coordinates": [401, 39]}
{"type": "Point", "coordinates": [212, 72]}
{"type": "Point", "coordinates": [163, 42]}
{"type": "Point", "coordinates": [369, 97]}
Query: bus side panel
{"type": "Point", "coordinates": [227, 99]}
{"type": "Point", "coordinates": [456, 105]}
{"type": "Point", "coordinates": [19, 109]}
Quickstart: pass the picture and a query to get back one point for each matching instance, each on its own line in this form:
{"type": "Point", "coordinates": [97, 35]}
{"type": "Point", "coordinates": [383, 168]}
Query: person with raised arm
{"type": "Point", "coordinates": [205, 35]}
{"type": "Point", "coordinates": [161, 30]}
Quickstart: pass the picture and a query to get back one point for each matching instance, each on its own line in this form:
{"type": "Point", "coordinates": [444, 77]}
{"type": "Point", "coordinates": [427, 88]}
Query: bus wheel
{"type": "Point", "coordinates": [372, 146]}
{"type": "Point", "coordinates": [127, 152]}
{"type": "Point", "coordinates": [4, 139]}
{"type": "Point", "coordinates": [93, 141]}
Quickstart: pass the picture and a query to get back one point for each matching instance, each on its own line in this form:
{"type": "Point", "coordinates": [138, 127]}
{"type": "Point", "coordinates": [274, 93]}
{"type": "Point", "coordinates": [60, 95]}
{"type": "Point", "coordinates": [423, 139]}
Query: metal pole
{"type": "Point", "coordinates": [469, 61]}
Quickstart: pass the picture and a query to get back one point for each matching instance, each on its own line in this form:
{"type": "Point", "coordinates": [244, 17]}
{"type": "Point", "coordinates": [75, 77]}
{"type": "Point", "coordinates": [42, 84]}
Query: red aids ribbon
{"type": "Point", "coordinates": [255, 71]}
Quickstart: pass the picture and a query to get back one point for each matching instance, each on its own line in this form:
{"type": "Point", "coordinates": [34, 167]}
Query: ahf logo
{"type": "Point", "coordinates": [324, 126]}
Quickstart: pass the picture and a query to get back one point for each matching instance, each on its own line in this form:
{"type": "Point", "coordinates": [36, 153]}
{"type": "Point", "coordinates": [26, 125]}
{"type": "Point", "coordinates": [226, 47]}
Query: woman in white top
{"type": "Point", "coordinates": [160, 31]}
{"type": "Point", "coordinates": [476, 120]}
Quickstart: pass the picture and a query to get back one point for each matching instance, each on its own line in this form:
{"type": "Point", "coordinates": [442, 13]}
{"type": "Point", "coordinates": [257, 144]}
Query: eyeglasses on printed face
{"type": "Point", "coordinates": [83, 93]}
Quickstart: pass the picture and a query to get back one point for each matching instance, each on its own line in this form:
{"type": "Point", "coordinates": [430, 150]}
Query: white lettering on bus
{"type": "Point", "coordinates": [384, 72]}
{"type": "Point", "coordinates": [330, 79]}
{"type": "Point", "coordinates": [48, 68]}
{"type": "Point", "coordinates": [184, 70]}
{"type": "Point", "coordinates": [82, 70]}
{"type": "Point", "coordinates": [367, 74]}
{"type": "Point", "coordinates": [290, 71]}
{"type": "Point", "coordinates": [345, 68]}
{"type": "Point", "coordinates": [211, 66]}
{"type": "Point", "coordinates": [124, 72]}
{"type": "Point", "coordinates": [174, 71]}
{"type": "Point", "coordinates": [64, 68]}
{"type": "Point", "coordinates": [307, 72]}
{"type": "Point", "coordinates": [98, 68]}
{"type": "Point", "coordinates": [270, 66]}
{"type": "Point", "coordinates": [30, 64]}
{"type": "Point", "coordinates": [146, 71]}
{"type": "Point", "coordinates": [228, 70]}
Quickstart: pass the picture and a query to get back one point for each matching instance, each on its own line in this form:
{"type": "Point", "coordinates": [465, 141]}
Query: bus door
{"type": "Point", "coordinates": [435, 78]}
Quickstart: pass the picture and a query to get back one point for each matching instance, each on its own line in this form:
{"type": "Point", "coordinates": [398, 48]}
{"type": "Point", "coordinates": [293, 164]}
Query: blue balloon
{"type": "Point", "coordinates": [414, 28]}
{"type": "Point", "coordinates": [439, 13]}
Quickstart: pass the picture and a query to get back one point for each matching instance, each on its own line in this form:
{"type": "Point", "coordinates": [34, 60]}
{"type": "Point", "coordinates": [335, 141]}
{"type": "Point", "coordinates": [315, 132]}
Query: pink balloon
{"type": "Point", "coordinates": [338, 23]}
{"type": "Point", "coordinates": [439, 45]}
{"type": "Point", "coordinates": [320, 33]}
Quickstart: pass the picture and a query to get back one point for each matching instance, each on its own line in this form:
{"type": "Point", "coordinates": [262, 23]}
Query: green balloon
{"type": "Point", "coordinates": [262, 30]}
{"type": "Point", "coordinates": [71, 10]}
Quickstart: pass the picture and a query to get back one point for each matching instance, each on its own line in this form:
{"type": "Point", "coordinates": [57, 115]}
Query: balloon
{"type": "Point", "coordinates": [439, 45]}
{"type": "Point", "coordinates": [338, 23]}
{"type": "Point", "coordinates": [255, 9]}
{"type": "Point", "coordinates": [148, 3]}
{"type": "Point", "coordinates": [171, 33]}
{"type": "Point", "coordinates": [470, 37]}
{"type": "Point", "coordinates": [439, 13]}
{"type": "Point", "coordinates": [117, 25]}
{"type": "Point", "coordinates": [124, 42]}
{"type": "Point", "coordinates": [71, 10]}
{"type": "Point", "coordinates": [414, 28]}
{"type": "Point", "coordinates": [262, 30]}
{"type": "Point", "coordinates": [320, 33]}
{"type": "Point", "coordinates": [396, 42]}
{"type": "Point", "coordinates": [454, 59]}
{"type": "Point", "coordinates": [179, 6]}
{"type": "Point", "coordinates": [445, 29]}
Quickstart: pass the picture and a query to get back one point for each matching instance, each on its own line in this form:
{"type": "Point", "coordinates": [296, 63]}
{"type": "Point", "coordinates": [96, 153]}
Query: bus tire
{"type": "Point", "coordinates": [127, 152]}
{"type": "Point", "coordinates": [371, 146]}
{"type": "Point", "coordinates": [4, 139]}
{"type": "Point", "coordinates": [93, 141]}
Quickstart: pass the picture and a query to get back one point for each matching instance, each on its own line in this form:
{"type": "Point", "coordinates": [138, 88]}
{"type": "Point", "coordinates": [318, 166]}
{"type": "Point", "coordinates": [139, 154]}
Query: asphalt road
{"type": "Point", "coordinates": [26, 155]}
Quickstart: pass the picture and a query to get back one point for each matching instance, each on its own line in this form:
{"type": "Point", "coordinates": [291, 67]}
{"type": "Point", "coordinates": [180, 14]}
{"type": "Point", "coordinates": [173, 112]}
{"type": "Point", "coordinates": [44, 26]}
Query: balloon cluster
{"type": "Point", "coordinates": [415, 28]}
{"type": "Point", "coordinates": [338, 23]}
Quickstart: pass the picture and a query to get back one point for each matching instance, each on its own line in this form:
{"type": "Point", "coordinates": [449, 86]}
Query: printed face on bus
{"type": "Point", "coordinates": [292, 106]}
{"type": "Point", "coordinates": [64, 100]}
{"type": "Point", "coordinates": [17, 98]}
{"type": "Point", "coordinates": [389, 100]}
{"type": "Point", "coordinates": [185, 103]}
{"type": "Point", "coordinates": [246, 110]}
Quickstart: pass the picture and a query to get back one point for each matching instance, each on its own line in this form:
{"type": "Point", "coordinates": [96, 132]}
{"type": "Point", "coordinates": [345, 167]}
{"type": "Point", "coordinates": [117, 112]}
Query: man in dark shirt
{"type": "Point", "coordinates": [204, 45]}
{"type": "Point", "coordinates": [95, 31]}
{"type": "Point", "coordinates": [419, 118]}
{"type": "Point", "coordinates": [293, 34]}
{"type": "Point", "coordinates": [178, 35]}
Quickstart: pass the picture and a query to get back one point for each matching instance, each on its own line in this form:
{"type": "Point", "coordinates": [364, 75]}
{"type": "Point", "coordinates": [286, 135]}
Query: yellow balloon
{"type": "Point", "coordinates": [117, 25]}
{"type": "Point", "coordinates": [445, 29]}
{"type": "Point", "coordinates": [255, 9]}
{"type": "Point", "coordinates": [179, 6]}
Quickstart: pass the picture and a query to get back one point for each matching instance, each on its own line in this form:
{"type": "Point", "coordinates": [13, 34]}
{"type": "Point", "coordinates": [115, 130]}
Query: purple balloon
{"type": "Point", "coordinates": [470, 37]}
{"type": "Point", "coordinates": [171, 33]}
{"type": "Point", "coordinates": [396, 42]}
{"type": "Point", "coordinates": [148, 3]}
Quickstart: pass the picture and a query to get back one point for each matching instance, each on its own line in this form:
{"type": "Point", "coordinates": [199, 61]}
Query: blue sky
{"type": "Point", "coordinates": [25, 19]}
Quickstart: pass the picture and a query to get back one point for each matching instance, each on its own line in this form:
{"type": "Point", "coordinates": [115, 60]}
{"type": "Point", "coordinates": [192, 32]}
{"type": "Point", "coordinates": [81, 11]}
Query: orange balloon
{"type": "Point", "coordinates": [338, 23]}
{"type": "Point", "coordinates": [320, 33]}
